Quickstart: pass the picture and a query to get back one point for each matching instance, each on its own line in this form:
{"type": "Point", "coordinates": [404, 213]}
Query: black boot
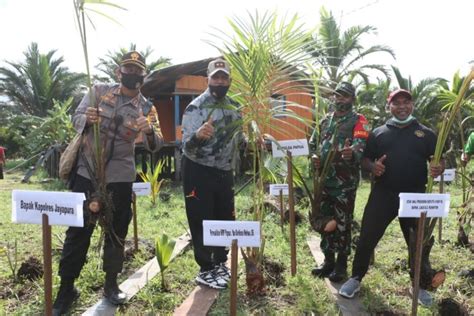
{"type": "Point", "coordinates": [326, 268]}
{"type": "Point", "coordinates": [67, 294]}
{"type": "Point", "coordinates": [340, 271]}
{"type": "Point", "coordinates": [111, 290]}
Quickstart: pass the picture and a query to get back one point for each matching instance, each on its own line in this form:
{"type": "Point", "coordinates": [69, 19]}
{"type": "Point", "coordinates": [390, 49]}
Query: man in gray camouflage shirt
{"type": "Point", "coordinates": [211, 132]}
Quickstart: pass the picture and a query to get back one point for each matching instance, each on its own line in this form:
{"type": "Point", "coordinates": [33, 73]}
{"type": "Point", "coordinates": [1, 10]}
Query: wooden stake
{"type": "Point", "coordinates": [440, 220]}
{"type": "Point", "coordinates": [291, 204]}
{"type": "Point", "coordinates": [418, 252]}
{"type": "Point", "coordinates": [233, 277]}
{"type": "Point", "coordinates": [47, 266]}
{"type": "Point", "coordinates": [135, 226]}
{"type": "Point", "coordinates": [282, 210]}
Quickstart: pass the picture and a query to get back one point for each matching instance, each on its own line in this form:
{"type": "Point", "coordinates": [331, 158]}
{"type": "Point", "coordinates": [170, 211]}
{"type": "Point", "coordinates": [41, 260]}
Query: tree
{"type": "Point", "coordinates": [341, 55]}
{"type": "Point", "coordinates": [372, 102]}
{"type": "Point", "coordinates": [108, 65]}
{"type": "Point", "coordinates": [32, 85]}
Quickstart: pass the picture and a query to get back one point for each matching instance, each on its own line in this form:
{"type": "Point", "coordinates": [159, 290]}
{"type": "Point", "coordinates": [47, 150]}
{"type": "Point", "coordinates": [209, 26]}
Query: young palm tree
{"type": "Point", "coordinates": [341, 54]}
{"type": "Point", "coordinates": [108, 65]}
{"type": "Point", "coordinates": [35, 83]}
{"type": "Point", "coordinates": [266, 58]}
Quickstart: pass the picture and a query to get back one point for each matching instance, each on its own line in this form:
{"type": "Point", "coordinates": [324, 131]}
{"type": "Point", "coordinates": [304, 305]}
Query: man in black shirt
{"type": "Point", "coordinates": [397, 154]}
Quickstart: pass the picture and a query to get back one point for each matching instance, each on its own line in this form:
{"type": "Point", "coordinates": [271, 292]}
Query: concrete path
{"type": "Point", "coordinates": [137, 281]}
{"type": "Point", "coordinates": [348, 307]}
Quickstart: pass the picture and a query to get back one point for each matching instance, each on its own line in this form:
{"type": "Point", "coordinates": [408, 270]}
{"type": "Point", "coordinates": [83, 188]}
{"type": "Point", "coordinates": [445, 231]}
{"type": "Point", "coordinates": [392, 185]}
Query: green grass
{"type": "Point", "coordinates": [384, 288]}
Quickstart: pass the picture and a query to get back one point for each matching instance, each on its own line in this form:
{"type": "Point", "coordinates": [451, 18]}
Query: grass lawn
{"type": "Point", "coordinates": [384, 288]}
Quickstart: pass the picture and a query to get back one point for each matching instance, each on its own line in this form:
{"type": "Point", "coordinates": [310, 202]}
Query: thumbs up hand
{"type": "Point", "coordinates": [346, 152]}
{"type": "Point", "coordinates": [143, 124]}
{"type": "Point", "coordinates": [206, 131]}
{"type": "Point", "coordinates": [378, 167]}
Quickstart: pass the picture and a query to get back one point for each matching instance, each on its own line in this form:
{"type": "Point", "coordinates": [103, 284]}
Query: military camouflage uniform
{"type": "Point", "coordinates": [207, 170]}
{"type": "Point", "coordinates": [342, 179]}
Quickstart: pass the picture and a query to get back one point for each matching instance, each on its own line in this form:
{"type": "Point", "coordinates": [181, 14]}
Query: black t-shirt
{"type": "Point", "coordinates": [408, 150]}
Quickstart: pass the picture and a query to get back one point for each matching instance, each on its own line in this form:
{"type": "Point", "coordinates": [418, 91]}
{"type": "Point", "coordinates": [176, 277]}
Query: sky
{"type": "Point", "coordinates": [431, 38]}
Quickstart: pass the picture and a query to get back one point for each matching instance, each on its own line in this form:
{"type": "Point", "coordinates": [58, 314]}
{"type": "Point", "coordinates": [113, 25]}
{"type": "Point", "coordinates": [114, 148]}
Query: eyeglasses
{"type": "Point", "coordinates": [132, 70]}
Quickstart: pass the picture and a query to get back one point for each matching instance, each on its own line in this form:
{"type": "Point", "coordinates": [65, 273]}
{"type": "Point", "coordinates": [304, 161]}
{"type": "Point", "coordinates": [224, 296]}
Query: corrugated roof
{"type": "Point", "coordinates": [163, 80]}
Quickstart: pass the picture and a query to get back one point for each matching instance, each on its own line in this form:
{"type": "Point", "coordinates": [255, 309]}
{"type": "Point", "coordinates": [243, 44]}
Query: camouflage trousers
{"type": "Point", "coordinates": [339, 205]}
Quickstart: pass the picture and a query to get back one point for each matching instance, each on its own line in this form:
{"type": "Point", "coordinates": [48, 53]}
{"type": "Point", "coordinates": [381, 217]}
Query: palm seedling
{"type": "Point", "coordinates": [152, 176]}
{"type": "Point", "coordinates": [164, 247]}
{"type": "Point", "coordinates": [451, 114]}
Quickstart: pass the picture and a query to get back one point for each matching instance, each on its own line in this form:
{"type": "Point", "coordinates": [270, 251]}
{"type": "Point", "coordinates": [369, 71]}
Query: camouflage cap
{"type": "Point", "coordinates": [133, 58]}
{"type": "Point", "coordinates": [346, 88]}
{"type": "Point", "coordinates": [216, 65]}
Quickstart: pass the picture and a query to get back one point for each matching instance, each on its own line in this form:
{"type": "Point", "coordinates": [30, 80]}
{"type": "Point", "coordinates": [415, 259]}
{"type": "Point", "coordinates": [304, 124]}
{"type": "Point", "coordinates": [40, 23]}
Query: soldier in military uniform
{"type": "Point", "coordinates": [344, 132]}
{"type": "Point", "coordinates": [121, 119]}
{"type": "Point", "coordinates": [211, 133]}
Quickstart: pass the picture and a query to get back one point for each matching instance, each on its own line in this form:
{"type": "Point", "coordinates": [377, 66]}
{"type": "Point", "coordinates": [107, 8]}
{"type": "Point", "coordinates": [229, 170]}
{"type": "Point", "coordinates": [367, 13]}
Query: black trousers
{"type": "Point", "coordinates": [78, 239]}
{"type": "Point", "coordinates": [1, 171]}
{"type": "Point", "coordinates": [209, 195]}
{"type": "Point", "coordinates": [380, 211]}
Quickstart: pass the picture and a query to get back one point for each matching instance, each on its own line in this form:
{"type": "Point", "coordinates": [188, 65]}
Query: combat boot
{"type": "Point", "coordinates": [340, 271]}
{"type": "Point", "coordinates": [327, 267]}
{"type": "Point", "coordinates": [111, 290]}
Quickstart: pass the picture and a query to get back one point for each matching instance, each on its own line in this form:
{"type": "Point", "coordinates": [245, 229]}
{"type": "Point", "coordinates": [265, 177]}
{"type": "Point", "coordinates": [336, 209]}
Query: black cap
{"type": "Point", "coordinates": [346, 88]}
{"type": "Point", "coordinates": [133, 58]}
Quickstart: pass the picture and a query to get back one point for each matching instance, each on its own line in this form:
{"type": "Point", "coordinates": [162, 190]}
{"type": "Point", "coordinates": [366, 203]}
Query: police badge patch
{"type": "Point", "coordinates": [419, 133]}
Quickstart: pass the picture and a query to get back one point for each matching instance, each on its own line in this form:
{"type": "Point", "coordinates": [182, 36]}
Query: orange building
{"type": "Point", "coordinates": [171, 89]}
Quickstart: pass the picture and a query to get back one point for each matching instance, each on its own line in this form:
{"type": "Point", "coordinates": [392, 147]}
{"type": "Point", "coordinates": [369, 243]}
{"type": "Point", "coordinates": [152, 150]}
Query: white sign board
{"type": "Point", "coordinates": [412, 204]}
{"type": "Point", "coordinates": [141, 188]}
{"type": "Point", "coordinates": [221, 233]}
{"type": "Point", "coordinates": [297, 147]}
{"type": "Point", "coordinates": [448, 175]}
{"type": "Point", "coordinates": [62, 208]}
{"type": "Point", "coordinates": [276, 188]}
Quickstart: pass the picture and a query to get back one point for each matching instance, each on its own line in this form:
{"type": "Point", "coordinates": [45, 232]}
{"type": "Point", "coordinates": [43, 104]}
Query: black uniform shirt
{"type": "Point", "coordinates": [408, 150]}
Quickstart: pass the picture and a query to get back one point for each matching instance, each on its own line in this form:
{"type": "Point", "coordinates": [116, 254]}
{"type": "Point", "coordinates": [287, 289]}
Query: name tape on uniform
{"type": "Point", "coordinates": [297, 147]}
{"type": "Point", "coordinates": [221, 233]}
{"type": "Point", "coordinates": [62, 208]}
{"type": "Point", "coordinates": [412, 204]}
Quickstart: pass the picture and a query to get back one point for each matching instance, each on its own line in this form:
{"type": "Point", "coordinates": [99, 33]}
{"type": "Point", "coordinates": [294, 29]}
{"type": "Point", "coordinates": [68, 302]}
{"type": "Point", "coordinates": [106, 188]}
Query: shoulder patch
{"type": "Point", "coordinates": [361, 128]}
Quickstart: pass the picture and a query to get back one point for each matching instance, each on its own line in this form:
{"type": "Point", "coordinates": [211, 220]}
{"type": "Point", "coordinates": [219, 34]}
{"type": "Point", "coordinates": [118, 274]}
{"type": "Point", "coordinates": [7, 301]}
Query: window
{"type": "Point", "coordinates": [278, 104]}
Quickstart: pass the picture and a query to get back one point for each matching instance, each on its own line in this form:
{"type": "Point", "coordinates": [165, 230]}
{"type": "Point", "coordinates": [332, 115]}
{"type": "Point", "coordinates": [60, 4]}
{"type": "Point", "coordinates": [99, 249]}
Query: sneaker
{"type": "Point", "coordinates": [222, 271]}
{"type": "Point", "coordinates": [211, 279]}
{"type": "Point", "coordinates": [350, 288]}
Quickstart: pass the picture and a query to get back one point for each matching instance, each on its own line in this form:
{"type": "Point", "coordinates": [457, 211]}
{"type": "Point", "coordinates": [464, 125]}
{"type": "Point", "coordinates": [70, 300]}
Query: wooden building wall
{"type": "Point", "coordinates": [187, 87]}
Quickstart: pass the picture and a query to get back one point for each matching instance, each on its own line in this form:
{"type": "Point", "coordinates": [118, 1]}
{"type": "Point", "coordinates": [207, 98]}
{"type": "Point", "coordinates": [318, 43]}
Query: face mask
{"type": "Point", "coordinates": [132, 81]}
{"type": "Point", "coordinates": [218, 91]}
{"type": "Point", "coordinates": [405, 121]}
{"type": "Point", "coordinates": [342, 107]}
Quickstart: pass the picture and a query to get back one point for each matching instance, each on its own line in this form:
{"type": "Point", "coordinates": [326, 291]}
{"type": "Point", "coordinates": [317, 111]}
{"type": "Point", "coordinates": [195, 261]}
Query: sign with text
{"type": "Point", "coordinates": [62, 208]}
{"type": "Point", "coordinates": [412, 204]}
{"type": "Point", "coordinates": [142, 188]}
{"type": "Point", "coordinates": [448, 175]}
{"type": "Point", "coordinates": [221, 233]}
{"type": "Point", "coordinates": [297, 147]}
{"type": "Point", "coordinates": [276, 188]}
